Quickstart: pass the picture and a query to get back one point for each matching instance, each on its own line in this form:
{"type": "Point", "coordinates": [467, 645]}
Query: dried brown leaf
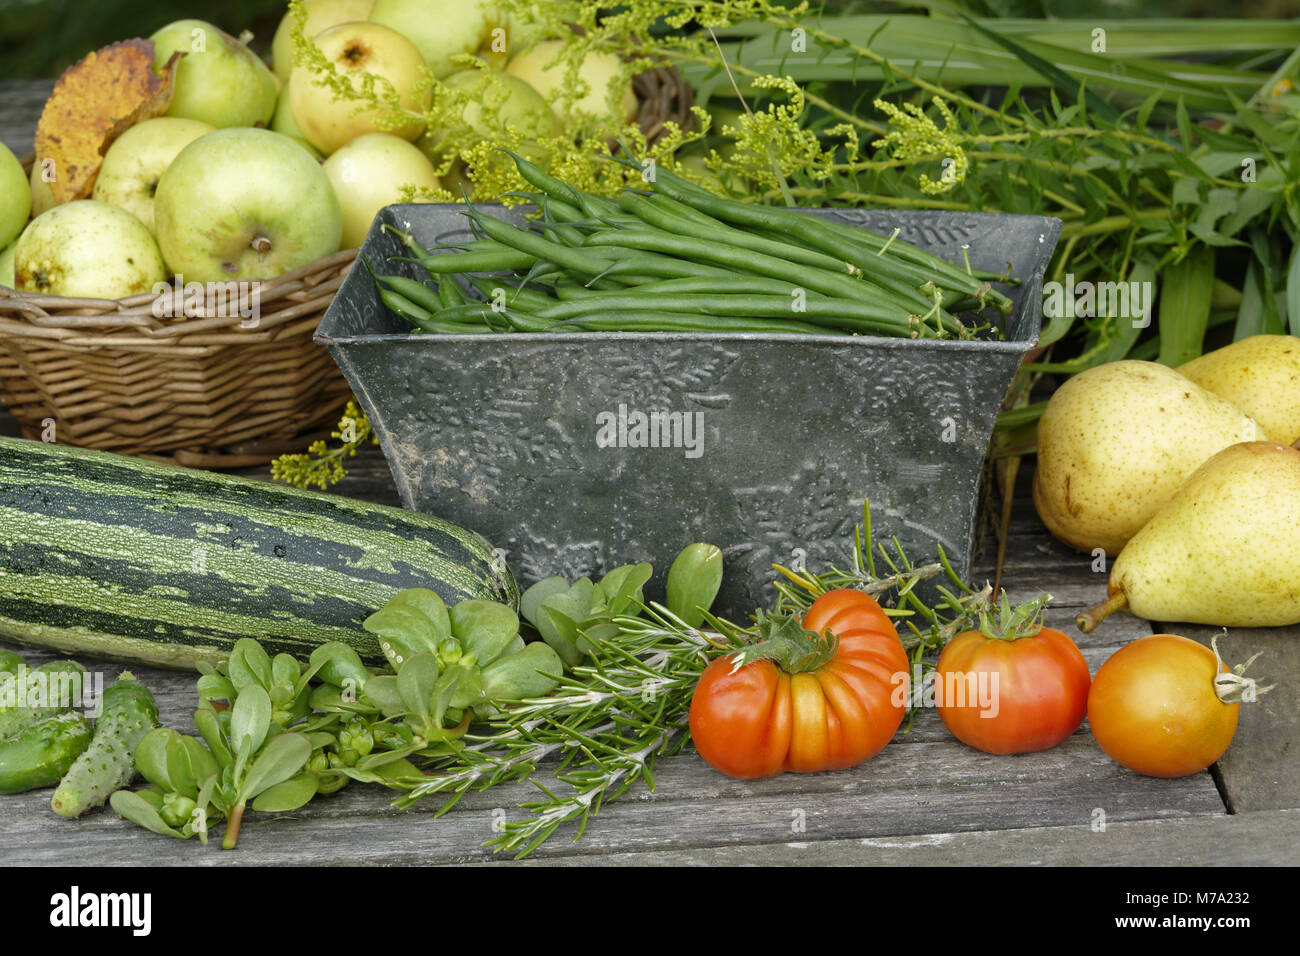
{"type": "Point", "coordinates": [93, 103]}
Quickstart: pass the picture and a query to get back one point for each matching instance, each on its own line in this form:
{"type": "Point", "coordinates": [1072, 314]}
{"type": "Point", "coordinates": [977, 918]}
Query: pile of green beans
{"type": "Point", "coordinates": [676, 258]}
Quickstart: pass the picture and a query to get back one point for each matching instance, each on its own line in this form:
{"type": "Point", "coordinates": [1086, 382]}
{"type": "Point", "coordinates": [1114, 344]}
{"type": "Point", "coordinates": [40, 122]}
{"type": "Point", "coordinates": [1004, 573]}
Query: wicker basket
{"type": "Point", "coordinates": [199, 391]}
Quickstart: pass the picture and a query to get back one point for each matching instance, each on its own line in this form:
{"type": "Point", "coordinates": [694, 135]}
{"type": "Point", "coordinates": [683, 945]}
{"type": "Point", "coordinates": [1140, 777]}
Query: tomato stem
{"type": "Point", "coordinates": [1014, 623]}
{"type": "Point", "coordinates": [1232, 687]}
{"type": "Point", "coordinates": [1088, 620]}
{"type": "Point", "coordinates": [784, 641]}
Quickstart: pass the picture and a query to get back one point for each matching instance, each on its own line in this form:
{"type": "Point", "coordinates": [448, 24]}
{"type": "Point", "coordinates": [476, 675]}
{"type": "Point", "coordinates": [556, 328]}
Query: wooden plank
{"type": "Point", "coordinates": [357, 826]}
{"type": "Point", "coordinates": [1266, 838]}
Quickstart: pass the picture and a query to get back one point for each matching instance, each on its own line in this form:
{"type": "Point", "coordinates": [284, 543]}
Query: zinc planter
{"type": "Point", "coordinates": [578, 452]}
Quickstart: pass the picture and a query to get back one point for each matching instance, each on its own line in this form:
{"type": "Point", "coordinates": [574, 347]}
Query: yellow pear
{"type": "Point", "coordinates": [1225, 551]}
{"type": "Point", "coordinates": [1117, 441]}
{"type": "Point", "coordinates": [1261, 376]}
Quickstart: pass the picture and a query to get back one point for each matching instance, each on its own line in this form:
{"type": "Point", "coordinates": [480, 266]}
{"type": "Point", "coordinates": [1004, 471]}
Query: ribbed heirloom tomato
{"type": "Point", "coordinates": [822, 694]}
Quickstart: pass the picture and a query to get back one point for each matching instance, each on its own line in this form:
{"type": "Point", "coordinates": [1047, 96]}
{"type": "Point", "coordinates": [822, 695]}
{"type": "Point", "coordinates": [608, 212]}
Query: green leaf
{"type": "Point", "coordinates": [427, 610]}
{"type": "Point", "coordinates": [1144, 111]}
{"type": "Point", "coordinates": [693, 582]}
{"type": "Point", "coordinates": [249, 664]}
{"type": "Point", "coordinates": [468, 684]}
{"type": "Point", "coordinates": [285, 670]}
{"type": "Point", "coordinates": [179, 771]}
{"type": "Point", "coordinates": [202, 764]}
{"type": "Point", "coordinates": [1058, 78]}
{"type": "Point", "coordinates": [216, 687]}
{"type": "Point", "coordinates": [383, 693]}
{"type": "Point", "coordinates": [1185, 307]}
{"type": "Point", "coordinates": [484, 628]}
{"type": "Point", "coordinates": [140, 812]}
{"type": "Point", "coordinates": [531, 601]}
{"type": "Point", "coordinates": [209, 728]}
{"type": "Point", "coordinates": [250, 717]}
{"type": "Point", "coordinates": [523, 675]}
{"type": "Point", "coordinates": [151, 757]}
{"type": "Point", "coordinates": [622, 587]}
{"type": "Point", "coordinates": [1293, 291]}
{"type": "Point", "coordinates": [283, 757]}
{"type": "Point", "coordinates": [205, 799]}
{"type": "Point", "coordinates": [560, 632]}
{"type": "Point", "coordinates": [293, 793]}
{"type": "Point", "coordinates": [416, 681]}
{"type": "Point", "coordinates": [1184, 125]}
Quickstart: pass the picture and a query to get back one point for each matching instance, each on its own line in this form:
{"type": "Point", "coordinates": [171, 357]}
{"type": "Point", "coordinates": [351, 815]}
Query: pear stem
{"type": "Point", "coordinates": [1089, 619]}
{"type": "Point", "coordinates": [261, 244]}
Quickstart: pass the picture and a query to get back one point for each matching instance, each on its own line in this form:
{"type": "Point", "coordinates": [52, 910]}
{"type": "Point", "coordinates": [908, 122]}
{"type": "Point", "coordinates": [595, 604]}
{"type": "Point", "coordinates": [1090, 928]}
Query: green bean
{"type": "Point", "coordinates": [566, 235]}
{"type": "Point", "coordinates": [651, 321]}
{"type": "Point", "coordinates": [670, 221]}
{"type": "Point", "coordinates": [525, 322]}
{"type": "Point", "coordinates": [407, 240]}
{"type": "Point", "coordinates": [450, 293]}
{"type": "Point", "coordinates": [421, 318]}
{"type": "Point", "coordinates": [744, 260]}
{"type": "Point", "coordinates": [413, 291]}
{"type": "Point", "coordinates": [476, 261]}
{"type": "Point", "coordinates": [534, 175]}
{"type": "Point", "coordinates": [820, 233]}
{"type": "Point", "coordinates": [527, 298]}
{"type": "Point", "coordinates": [558, 208]}
{"type": "Point", "coordinates": [753, 285]}
{"type": "Point", "coordinates": [836, 313]}
{"type": "Point", "coordinates": [577, 260]}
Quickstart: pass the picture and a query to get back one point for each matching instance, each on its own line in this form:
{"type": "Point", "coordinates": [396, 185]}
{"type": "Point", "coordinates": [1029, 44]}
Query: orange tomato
{"type": "Point", "coordinates": [762, 720]}
{"type": "Point", "coordinates": [1154, 709]}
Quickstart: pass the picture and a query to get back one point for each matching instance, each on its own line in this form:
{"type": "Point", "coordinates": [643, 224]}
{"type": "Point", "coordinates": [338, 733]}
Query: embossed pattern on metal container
{"type": "Point", "coordinates": [578, 452]}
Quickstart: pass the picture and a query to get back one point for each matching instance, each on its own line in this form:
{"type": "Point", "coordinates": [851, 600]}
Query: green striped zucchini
{"type": "Point", "coordinates": [127, 559]}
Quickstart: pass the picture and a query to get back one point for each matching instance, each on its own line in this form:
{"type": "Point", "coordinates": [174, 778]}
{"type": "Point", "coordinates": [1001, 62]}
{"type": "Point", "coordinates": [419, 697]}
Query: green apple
{"type": "Point", "coordinates": [137, 159]}
{"type": "Point", "coordinates": [354, 49]}
{"type": "Point", "coordinates": [598, 73]}
{"type": "Point", "coordinates": [282, 122]}
{"type": "Point", "coordinates": [7, 266]}
{"type": "Point", "coordinates": [88, 249]}
{"type": "Point", "coordinates": [442, 29]}
{"type": "Point", "coordinates": [516, 106]}
{"type": "Point", "coordinates": [368, 174]}
{"type": "Point", "coordinates": [244, 204]}
{"type": "Point", "coordinates": [321, 15]}
{"type": "Point", "coordinates": [219, 80]}
{"type": "Point", "coordinates": [15, 197]}
{"type": "Point", "coordinates": [40, 191]}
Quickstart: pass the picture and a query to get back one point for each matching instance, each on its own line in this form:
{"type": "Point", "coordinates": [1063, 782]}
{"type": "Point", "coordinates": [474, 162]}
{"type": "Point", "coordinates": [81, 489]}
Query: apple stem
{"type": "Point", "coordinates": [1089, 619]}
{"type": "Point", "coordinates": [261, 244]}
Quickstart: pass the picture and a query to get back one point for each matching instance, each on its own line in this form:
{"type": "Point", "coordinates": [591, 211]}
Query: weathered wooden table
{"type": "Point", "coordinates": [926, 799]}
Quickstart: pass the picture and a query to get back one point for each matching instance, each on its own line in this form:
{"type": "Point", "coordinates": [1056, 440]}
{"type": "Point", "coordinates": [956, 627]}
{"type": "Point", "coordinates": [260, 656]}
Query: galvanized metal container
{"type": "Point", "coordinates": [768, 444]}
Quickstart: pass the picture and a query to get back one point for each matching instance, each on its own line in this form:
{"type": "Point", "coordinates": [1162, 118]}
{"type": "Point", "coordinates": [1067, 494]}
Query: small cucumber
{"type": "Point", "coordinates": [128, 713]}
{"type": "Point", "coordinates": [42, 754]}
{"type": "Point", "coordinates": [47, 687]}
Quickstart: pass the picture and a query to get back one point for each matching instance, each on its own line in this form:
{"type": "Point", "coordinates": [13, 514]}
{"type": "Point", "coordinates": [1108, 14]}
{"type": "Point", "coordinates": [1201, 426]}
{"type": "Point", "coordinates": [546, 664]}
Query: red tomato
{"type": "Point", "coordinates": [1011, 696]}
{"type": "Point", "coordinates": [763, 720]}
{"type": "Point", "coordinates": [1153, 707]}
